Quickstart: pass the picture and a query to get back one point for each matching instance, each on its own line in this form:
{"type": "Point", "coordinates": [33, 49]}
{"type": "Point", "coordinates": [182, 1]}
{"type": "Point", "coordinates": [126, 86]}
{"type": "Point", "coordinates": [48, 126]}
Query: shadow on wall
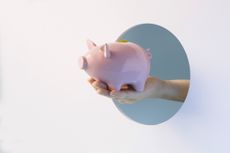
{"type": "Point", "coordinates": [194, 99]}
{"type": "Point", "coordinates": [1, 151]}
{"type": "Point", "coordinates": [192, 110]}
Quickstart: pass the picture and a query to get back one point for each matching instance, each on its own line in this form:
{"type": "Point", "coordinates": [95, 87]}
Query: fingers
{"type": "Point", "coordinates": [127, 95]}
{"type": "Point", "coordinates": [91, 80]}
{"type": "Point", "coordinates": [97, 84]}
{"type": "Point", "coordinates": [124, 87]}
{"type": "Point", "coordinates": [103, 92]}
{"type": "Point", "coordinates": [100, 87]}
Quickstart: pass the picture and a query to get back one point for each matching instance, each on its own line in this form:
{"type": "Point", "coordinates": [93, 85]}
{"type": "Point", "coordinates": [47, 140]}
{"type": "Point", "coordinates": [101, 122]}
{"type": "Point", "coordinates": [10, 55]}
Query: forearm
{"type": "Point", "coordinates": [172, 90]}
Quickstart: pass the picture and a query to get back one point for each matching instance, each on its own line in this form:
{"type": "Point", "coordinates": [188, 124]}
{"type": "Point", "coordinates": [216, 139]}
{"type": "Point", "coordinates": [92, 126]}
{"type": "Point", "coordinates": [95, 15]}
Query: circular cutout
{"type": "Point", "coordinates": [169, 62]}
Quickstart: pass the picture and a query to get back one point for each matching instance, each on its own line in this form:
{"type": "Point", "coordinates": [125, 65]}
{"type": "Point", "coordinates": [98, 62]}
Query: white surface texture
{"type": "Point", "coordinates": [47, 106]}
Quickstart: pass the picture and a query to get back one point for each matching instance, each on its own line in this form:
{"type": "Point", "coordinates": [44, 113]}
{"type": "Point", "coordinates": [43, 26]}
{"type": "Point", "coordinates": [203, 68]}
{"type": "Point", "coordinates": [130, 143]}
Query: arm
{"type": "Point", "coordinates": [154, 88]}
{"type": "Point", "coordinates": [171, 89]}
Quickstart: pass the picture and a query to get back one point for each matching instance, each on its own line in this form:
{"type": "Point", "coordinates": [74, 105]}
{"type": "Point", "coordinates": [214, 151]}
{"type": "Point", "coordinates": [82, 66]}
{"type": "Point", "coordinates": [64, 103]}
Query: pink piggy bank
{"type": "Point", "coordinates": [117, 64]}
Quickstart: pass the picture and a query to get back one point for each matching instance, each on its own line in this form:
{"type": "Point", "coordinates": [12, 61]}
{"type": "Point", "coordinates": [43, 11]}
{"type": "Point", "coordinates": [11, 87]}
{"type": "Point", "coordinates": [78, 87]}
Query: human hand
{"type": "Point", "coordinates": [127, 94]}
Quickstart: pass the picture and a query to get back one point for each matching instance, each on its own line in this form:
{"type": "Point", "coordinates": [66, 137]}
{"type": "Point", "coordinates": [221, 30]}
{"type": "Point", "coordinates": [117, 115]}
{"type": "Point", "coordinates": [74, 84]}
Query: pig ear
{"type": "Point", "coordinates": [107, 53]}
{"type": "Point", "coordinates": [90, 44]}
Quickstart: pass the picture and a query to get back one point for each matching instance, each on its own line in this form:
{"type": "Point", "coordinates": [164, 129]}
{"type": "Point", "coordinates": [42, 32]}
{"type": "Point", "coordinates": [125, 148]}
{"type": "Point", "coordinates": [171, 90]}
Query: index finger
{"type": "Point", "coordinates": [99, 84]}
{"type": "Point", "coordinates": [91, 80]}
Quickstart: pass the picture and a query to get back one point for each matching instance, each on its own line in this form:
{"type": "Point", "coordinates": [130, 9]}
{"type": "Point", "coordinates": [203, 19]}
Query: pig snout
{"type": "Point", "coordinates": [82, 63]}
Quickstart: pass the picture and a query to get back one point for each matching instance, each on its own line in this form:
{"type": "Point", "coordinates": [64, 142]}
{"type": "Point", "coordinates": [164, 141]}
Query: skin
{"type": "Point", "coordinates": [154, 88]}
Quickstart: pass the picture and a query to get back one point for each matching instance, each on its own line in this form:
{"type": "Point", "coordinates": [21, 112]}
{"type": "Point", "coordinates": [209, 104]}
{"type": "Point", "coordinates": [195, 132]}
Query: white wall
{"type": "Point", "coordinates": [47, 105]}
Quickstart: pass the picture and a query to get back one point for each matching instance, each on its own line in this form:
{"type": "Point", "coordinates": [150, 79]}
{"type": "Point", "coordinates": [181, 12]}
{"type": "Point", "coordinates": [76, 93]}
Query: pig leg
{"type": "Point", "coordinates": [116, 87]}
{"type": "Point", "coordinates": [139, 86]}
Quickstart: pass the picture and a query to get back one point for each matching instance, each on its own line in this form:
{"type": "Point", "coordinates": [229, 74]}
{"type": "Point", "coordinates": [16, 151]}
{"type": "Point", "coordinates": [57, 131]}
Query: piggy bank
{"type": "Point", "coordinates": [117, 64]}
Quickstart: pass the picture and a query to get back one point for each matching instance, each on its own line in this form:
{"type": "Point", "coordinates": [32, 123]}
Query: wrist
{"type": "Point", "coordinates": [171, 90]}
{"type": "Point", "coordinates": [155, 87]}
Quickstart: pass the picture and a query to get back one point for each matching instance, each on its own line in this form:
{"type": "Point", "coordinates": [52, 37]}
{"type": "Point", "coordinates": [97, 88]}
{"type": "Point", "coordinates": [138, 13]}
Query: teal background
{"type": "Point", "coordinates": [169, 61]}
